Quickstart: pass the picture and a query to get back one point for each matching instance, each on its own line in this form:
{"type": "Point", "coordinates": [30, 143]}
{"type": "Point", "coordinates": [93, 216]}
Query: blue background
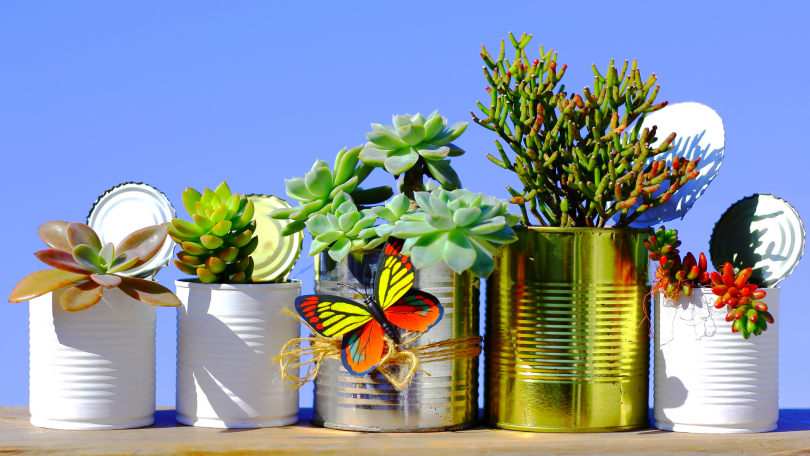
{"type": "Point", "coordinates": [185, 93]}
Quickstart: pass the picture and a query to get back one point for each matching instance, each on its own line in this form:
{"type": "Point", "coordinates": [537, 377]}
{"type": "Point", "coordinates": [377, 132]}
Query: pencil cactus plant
{"type": "Point", "coordinates": [462, 228]}
{"type": "Point", "coordinates": [317, 190]}
{"type": "Point", "coordinates": [77, 256]}
{"type": "Point", "coordinates": [218, 243]}
{"type": "Point", "coordinates": [415, 146]}
{"type": "Point", "coordinates": [582, 159]}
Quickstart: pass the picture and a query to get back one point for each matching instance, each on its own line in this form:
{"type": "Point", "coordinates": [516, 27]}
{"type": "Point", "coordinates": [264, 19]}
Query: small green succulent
{"type": "Point", "coordinates": [415, 139]}
{"type": "Point", "coordinates": [217, 246]}
{"type": "Point", "coordinates": [462, 228]}
{"type": "Point", "coordinates": [340, 231]}
{"type": "Point", "coordinates": [316, 191]}
{"type": "Point", "coordinates": [394, 210]}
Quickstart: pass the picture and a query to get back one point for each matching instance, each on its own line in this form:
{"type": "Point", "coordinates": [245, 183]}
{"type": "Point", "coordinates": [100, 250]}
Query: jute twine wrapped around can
{"type": "Point", "coordinates": [411, 358]}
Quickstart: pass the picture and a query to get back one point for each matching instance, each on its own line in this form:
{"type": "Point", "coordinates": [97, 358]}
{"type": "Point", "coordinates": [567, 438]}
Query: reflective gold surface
{"type": "Point", "coordinates": [567, 345]}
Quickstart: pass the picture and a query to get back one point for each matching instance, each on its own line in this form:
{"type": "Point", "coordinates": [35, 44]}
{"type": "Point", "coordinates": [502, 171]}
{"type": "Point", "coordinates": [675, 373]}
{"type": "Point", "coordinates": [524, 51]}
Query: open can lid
{"type": "Point", "coordinates": [129, 207]}
{"type": "Point", "coordinates": [276, 255]}
{"type": "Point", "coordinates": [761, 232]}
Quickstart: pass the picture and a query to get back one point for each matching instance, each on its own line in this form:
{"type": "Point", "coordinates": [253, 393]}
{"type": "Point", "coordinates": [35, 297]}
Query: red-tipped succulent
{"type": "Point", "coordinates": [675, 275]}
{"type": "Point", "coordinates": [79, 258]}
{"type": "Point", "coordinates": [749, 314]}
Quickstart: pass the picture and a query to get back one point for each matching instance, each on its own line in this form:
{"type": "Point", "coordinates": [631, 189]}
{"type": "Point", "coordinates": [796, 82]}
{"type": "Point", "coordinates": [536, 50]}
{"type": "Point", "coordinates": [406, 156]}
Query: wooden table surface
{"type": "Point", "coordinates": [165, 437]}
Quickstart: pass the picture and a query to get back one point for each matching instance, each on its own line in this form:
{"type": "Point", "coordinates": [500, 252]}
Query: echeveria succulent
{"type": "Point", "coordinates": [462, 228]}
{"type": "Point", "coordinates": [317, 190]}
{"type": "Point", "coordinates": [415, 139]}
{"type": "Point", "coordinates": [78, 256]}
{"type": "Point", "coordinates": [218, 244]}
{"type": "Point", "coordinates": [340, 231]}
{"type": "Point", "coordinates": [393, 211]}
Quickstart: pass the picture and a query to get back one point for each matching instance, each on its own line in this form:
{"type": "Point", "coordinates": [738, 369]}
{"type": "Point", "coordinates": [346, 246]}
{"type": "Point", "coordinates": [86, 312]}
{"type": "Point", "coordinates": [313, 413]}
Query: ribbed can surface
{"type": "Point", "coordinates": [447, 399]}
{"type": "Point", "coordinates": [93, 369]}
{"type": "Point", "coordinates": [708, 379]}
{"type": "Point", "coordinates": [567, 339]}
{"type": "Point", "coordinates": [227, 337]}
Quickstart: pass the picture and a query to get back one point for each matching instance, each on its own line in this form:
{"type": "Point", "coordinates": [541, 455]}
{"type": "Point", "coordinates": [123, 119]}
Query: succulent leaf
{"type": "Point", "coordinates": [41, 282]}
{"type": "Point", "coordinates": [125, 260]}
{"type": "Point", "coordinates": [148, 292]}
{"type": "Point", "coordinates": [54, 235]}
{"type": "Point", "coordinates": [88, 258]}
{"type": "Point", "coordinates": [81, 296]}
{"type": "Point", "coordinates": [81, 234]}
{"type": "Point", "coordinates": [61, 260]}
{"type": "Point", "coordinates": [146, 243]}
{"type": "Point", "coordinates": [106, 280]}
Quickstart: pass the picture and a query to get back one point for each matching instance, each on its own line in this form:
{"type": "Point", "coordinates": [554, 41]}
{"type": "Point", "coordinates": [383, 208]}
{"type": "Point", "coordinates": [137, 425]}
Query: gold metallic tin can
{"type": "Point", "coordinates": [567, 337]}
{"type": "Point", "coordinates": [443, 396]}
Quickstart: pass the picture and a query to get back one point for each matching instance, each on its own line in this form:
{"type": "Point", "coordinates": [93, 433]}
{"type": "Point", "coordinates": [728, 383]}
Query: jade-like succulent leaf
{"type": "Point", "coordinates": [106, 280]}
{"type": "Point", "coordinates": [81, 234]}
{"type": "Point", "coordinates": [146, 243]}
{"type": "Point", "coordinates": [466, 216]}
{"type": "Point", "coordinates": [88, 258]}
{"type": "Point", "coordinates": [211, 242]}
{"type": "Point", "coordinates": [373, 156]}
{"type": "Point", "coordinates": [190, 199]}
{"type": "Point", "coordinates": [81, 296]}
{"type": "Point", "coordinates": [124, 261]}
{"type": "Point", "coordinates": [222, 228]}
{"type": "Point", "coordinates": [54, 235]}
{"type": "Point", "coordinates": [282, 213]}
{"type": "Point", "coordinates": [449, 135]}
{"type": "Point", "coordinates": [318, 225]}
{"type": "Point", "coordinates": [346, 187]}
{"type": "Point", "coordinates": [459, 253]}
{"type": "Point", "coordinates": [428, 250]}
{"type": "Point", "coordinates": [400, 161]}
{"type": "Point", "coordinates": [385, 140]}
{"type": "Point", "coordinates": [223, 191]}
{"type": "Point", "coordinates": [484, 263]}
{"type": "Point", "coordinates": [61, 260]}
{"type": "Point", "coordinates": [430, 152]}
{"type": "Point", "coordinates": [187, 228]}
{"type": "Point", "coordinates": [400, 121]}
{"type": "Point", "coordinates": [345, 165]}
{"type": "Point", "coordinates": [219, 214]}
{"type": "Point", "coordinates": [412, 134]}
{"type": "Point", "coordinates": [148, 292]}
{"type": "Point", "coordinates": [206, 276]}
{"type": "Point", "coordinates": [297, 190]}
{"type": "Point", "coordinates": [433, 126]}
{"type": "Point", "coordinates": [347, 220]}
{"type": "Point", "coordinates": [340, 249]}
{"type": "Point", "coordinates": [41, 282]}
{"type": "Point", "coordinates": [329, 237]}
{"type": "Point", "coordinates": [246, 217]}
{"type": "Point", "coordinates": [411, 229]}
{"type": "Point", "coordinates": [319, 182]}
{"type": "Point", "coordinates": [442, 172]}
{"type": "Point", "coordinates": [455, 151]}
{"type": "Point", "coordinates": [107, 252]}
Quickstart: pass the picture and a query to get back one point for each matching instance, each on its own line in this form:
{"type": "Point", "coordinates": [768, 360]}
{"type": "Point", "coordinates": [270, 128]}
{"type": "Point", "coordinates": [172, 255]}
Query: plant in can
{"type": "Point", "coordinates": [218, 243]}
{"type": "Point", "coordinates": [673, 274]}
{"type": "Point", "coordinates": [745, 308]}
{"type": "Point", "coordinates": [582, 159]}
{"type": "Point", "coordinates": [78, 257]}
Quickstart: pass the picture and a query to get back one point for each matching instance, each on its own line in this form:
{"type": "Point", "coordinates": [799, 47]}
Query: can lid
{"type": "Point", "coordinates": [276, 255]}
{"type": "Point", "coordinates": [129, 207]}
{"type": "Point", "coordinates": [761, 232]}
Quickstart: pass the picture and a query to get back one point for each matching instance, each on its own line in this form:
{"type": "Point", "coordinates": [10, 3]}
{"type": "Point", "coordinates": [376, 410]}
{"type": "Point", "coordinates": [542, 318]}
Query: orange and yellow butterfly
{"type": "Point", "coordinates": [395, 305]}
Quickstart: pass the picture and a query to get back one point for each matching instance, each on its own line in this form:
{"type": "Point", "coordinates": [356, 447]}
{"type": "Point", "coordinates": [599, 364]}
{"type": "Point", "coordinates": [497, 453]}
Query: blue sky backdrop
{"type": "Point", "coordinates": [186, 93]}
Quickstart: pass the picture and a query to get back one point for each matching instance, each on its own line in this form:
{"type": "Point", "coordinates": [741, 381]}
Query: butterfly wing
{"type": "Point", "coordinates": [395, 274]}
{"type": "Point", "coordinates": [362, 348]}
{"type": "Point", "coordinates": [415, 311]}
{"type": "Point", "coordinates": [332, 316]}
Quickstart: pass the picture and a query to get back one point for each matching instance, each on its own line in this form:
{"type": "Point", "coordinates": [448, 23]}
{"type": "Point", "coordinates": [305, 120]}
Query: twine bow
{"type": "Point", "coordinates": [396, 355]}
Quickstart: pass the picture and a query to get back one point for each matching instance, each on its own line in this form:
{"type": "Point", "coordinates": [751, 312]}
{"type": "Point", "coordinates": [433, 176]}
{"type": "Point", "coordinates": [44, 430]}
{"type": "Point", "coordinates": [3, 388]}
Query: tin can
{"type": "Point", "coordinates": [227, 337]}
{"type": "Point", "coordinates": [447, 399]}
{"type": "Point", "coordinates": [709, 380]}
{"type": "Point", "coordinates": [567, 333]}
{"type": "Point", "coordinates": [94, 369]}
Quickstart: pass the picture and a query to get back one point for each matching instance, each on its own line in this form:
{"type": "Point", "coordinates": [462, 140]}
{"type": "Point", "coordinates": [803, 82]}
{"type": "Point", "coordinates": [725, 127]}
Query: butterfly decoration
{"type": "Point", "coordinates": [395, 305]}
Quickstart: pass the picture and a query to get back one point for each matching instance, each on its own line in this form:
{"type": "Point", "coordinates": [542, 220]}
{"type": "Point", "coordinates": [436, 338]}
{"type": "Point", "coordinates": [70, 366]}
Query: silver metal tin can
{"type": "Point", "coordinates": [445, 400]}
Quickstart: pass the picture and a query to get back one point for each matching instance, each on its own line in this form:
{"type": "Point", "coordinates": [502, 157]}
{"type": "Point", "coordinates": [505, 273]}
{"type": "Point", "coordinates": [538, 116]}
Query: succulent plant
{"type": "Point", "coordinates": [576, 164]}
{"type": "Point", "coordinates": [749, 314]}
{"type": "Point", "coordinates": [318, 189]}
{"type": "Point", "coordinates": [78, 256]}
{"type": "Point", "coordinates": [217, 245]}
{"type": "Point", "coordinates": [394, 210]}
{"type": "Point", "coordinates": [462, 228]}
{"type": "Point", "coordinates": [415, 142]}
{"type": "Point", "coordinates": [339, 232]}
{"type": "Point", "coordinates": [673, 274]}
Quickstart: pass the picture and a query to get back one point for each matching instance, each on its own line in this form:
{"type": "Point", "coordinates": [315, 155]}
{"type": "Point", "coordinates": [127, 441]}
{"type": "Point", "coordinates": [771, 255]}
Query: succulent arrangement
{"type": "Point", "coordinates": [673, 274]}
{"type": "Point", "coordinates": [218, 243]}
{"type": "Point", "coordinates": [583, 159]}
{"type": "Point", "coordinates": [749, 314]}
{"type": "Point", "coordinates": [318, 189]}
{"type": "Point", "coordinates": [79, 258]}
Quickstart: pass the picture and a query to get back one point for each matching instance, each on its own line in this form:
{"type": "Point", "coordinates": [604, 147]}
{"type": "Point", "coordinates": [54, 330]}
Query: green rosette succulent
{"type": "Point", "coordinates": [462, 228]}
{"type": "Point", "coordinates": [341, 231]}
{"type": "Point", "coordinates": [79, 258]}
{"type": "Point", "coordinates": [412, 140]}
{"type": "Point", "coordinates": [317, 190]}
{"type": "Point", "coordinates": [394, 210]}
{"type": "Point", "coordinates": [218, 244]}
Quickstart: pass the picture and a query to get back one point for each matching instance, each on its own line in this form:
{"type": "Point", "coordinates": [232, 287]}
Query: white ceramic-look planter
{"type": "Point", "coordinates": [227, 337]}
{"type": "Point", "coordinates": [708, 379]}
{"type": "Point", "coordinates": [93, 369]}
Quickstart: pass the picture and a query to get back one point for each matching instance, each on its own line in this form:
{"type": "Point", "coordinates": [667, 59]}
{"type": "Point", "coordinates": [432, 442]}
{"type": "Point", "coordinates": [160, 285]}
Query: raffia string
{"type": "Point", "coordinates": [410, 358]}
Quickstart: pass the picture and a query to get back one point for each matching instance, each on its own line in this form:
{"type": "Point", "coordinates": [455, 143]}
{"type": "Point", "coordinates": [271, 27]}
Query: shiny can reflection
{"type": "Point", "coordinates": [567, 344]}
{"type": "Point", "coordinates": [447, 399]}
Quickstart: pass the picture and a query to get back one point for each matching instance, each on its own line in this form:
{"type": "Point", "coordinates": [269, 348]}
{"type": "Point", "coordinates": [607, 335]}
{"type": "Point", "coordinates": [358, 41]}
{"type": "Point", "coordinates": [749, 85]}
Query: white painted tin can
{"type": "Point", "coordinates": [93, 369]}
{"type": "Point", "coordinates": [708, 379]}
{"type": "Point", "coordinates": [227, 337]}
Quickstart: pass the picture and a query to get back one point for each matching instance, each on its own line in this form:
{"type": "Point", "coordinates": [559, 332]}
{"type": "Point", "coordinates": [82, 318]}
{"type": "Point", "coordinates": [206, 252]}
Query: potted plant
{"type": "Point", "coordinates": [717, 335]}
{"type": "Point", "coordinates": [445, 238]}
{"type": "Point", "coordinates": [567, 334]}
{"type": "Point", "coordinates": [92, 344]}
{"type": "Point", "coordinates": [230, 325]}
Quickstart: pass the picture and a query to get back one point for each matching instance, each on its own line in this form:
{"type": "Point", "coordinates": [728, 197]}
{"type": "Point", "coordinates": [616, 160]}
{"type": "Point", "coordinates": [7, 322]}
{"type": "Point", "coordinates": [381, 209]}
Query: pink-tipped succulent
{"type": "Point", "coordinates": [77, 255]}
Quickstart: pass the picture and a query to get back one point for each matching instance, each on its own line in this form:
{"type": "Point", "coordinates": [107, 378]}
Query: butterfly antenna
{"type": "Point", "coordinates": [350, 287]}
